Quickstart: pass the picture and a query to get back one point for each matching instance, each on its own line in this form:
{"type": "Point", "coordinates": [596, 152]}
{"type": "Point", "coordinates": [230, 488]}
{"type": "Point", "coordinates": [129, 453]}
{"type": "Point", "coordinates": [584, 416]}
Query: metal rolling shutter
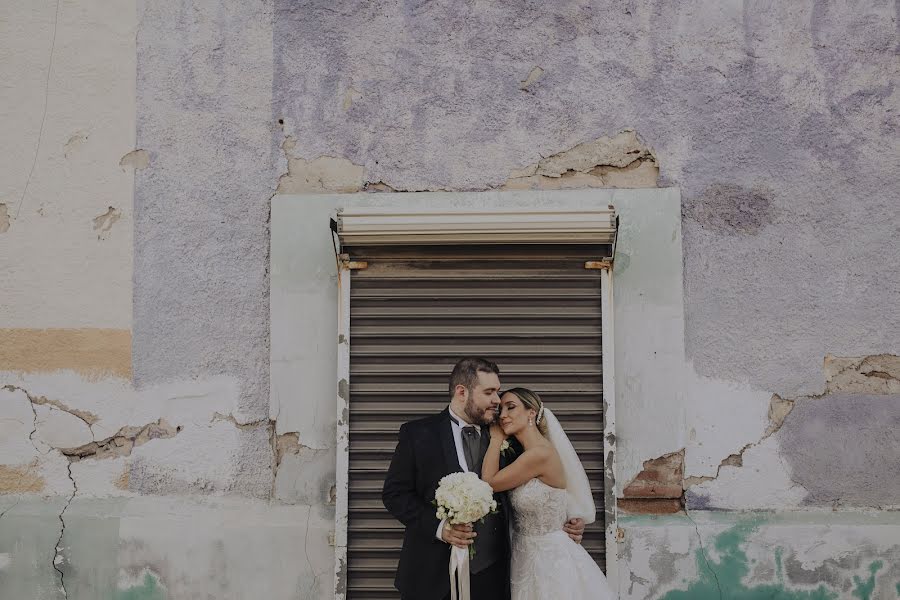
{"type": "Point", "coordinates": [536, 312]}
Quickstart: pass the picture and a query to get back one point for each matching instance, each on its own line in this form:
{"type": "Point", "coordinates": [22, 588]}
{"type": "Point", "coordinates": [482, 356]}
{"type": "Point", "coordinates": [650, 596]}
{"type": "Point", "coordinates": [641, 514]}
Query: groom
{"type": "Point", "coordinates": [454, 440]}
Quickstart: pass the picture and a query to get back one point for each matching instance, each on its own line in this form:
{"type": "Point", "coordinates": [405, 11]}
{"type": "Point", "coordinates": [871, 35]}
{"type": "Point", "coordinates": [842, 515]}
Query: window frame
{"type": "Point", "coordinates": [345, 267]}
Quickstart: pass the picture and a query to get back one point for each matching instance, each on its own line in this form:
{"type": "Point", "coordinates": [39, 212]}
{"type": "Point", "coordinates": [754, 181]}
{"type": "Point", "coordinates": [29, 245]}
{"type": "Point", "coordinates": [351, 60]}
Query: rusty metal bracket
{"type": "Point", "coordinates": [595, 265]}
{"type": "Point", "coordinates": [353, 265]}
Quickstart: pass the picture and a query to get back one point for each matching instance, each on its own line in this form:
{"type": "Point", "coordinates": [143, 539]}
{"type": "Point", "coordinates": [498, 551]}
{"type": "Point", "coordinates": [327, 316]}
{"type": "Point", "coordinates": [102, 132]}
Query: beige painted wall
{"type": "Point", "coordinates": [67, 118]}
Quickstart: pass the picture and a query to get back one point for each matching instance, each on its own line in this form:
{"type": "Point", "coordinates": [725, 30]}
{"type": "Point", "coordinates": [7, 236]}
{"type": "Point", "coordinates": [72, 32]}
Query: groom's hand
{"type": "Point", "coordinates": [460, 536]}
{"type": "Point", "coordinates": [575, 529]}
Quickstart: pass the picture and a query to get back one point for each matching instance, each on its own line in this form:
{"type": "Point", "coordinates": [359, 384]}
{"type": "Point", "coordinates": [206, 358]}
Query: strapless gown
{"type": "Point", "coordinates": [546, 563]}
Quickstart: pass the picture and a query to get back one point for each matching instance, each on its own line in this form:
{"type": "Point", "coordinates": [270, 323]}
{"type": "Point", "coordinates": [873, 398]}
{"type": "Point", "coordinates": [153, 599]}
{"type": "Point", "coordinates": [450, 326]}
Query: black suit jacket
{"type": "Point", "coordinates": [425, 453]}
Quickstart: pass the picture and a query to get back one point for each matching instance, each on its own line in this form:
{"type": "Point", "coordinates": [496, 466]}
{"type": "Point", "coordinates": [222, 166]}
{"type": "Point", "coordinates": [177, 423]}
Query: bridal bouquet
{"type": "Point", "coordinates": [464, 498]}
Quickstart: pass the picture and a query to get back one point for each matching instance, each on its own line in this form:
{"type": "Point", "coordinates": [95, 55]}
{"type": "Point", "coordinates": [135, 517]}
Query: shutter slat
{"type": "Point", "coordinates": [410, 321]}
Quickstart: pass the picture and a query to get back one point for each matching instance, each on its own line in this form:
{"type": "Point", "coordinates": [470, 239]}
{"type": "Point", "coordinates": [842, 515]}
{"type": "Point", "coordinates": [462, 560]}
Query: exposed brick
{"type": "Point", "coordinates": [661, 478]}
{"type": "Point", "coordinates": [649, 506]}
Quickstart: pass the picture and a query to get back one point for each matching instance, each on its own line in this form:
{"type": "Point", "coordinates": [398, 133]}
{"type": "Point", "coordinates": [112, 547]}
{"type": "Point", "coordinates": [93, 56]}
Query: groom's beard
{"type": "Point", "coordinates": [478, 416]}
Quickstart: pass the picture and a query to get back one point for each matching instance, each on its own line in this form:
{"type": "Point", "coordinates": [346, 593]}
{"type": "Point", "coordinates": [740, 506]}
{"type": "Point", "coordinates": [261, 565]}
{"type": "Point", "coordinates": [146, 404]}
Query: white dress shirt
{"type": "Point", "coordinates": [456, 424]}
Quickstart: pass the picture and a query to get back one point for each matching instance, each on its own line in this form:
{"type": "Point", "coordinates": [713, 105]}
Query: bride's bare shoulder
{"type": "Point", "coordinates": [554, 472]}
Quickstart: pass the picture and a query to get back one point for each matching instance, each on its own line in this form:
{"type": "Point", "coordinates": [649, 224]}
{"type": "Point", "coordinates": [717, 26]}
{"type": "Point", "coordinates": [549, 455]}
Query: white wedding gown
{"type": "Point", "coordinates": [546, 563]}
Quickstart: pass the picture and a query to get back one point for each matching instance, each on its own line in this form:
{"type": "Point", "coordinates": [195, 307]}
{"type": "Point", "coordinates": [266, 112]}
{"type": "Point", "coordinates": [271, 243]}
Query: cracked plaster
{"type": "Point", "coordinates": [752, 169]}
{"type": "Point", "coordinates": [198, 452]}
{"type": "Point", "coordinates": [782, 554]}
{"type": "Point", "coordinates": [768, 135]}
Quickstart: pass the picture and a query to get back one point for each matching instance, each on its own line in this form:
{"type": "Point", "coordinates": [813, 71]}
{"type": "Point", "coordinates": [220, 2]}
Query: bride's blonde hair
{"type": "Point", "coordinates": [531, 400]}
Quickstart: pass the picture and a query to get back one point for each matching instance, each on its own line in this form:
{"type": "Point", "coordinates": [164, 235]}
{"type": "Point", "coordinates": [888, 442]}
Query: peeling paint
{"type": "Point", "coordinates": [74, 143]}
{"type": "Point", "coordinates": [725, 577]}
{"type": "Point", "coordinates": [150, 588]}
{"type": "Point", "coordinates": [20, 479]}
{"type": "Point", "coordinates": [378, 186]}
{"type": "Point", "coordinates": [123, 442]}
{"type": "Point", "coordinates": [319, 175]}
{"type": "Point", "coordinates": [779, 409]}
{"type": "Point", "coordinates": [137, 159]}
{"type": "Point", "coordinates": [4, 218]}
{"type": "Point", "coordinates": [340, 586]}
{"type": "Point", "coordinates": [618, 162]}
{"type": "Point", "coordinates": [287, 443]}
{"type": "Point", "coordinates": [533, 75]}
{"type": "Point", "coordinates": [350, 96]}
{"type": "Point", "coordinates": [88, 417]}
{"type": "Point", "coordinates": [876, 374]}
{"type": "Point", "coordinates": [103, 223]}
{"type": "Point", "coordinates": [732, 460]}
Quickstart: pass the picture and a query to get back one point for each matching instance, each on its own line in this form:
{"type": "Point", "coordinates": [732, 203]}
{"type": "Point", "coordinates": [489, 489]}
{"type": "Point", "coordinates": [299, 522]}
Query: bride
{"type": "Point", "coordinates": [547, 483]}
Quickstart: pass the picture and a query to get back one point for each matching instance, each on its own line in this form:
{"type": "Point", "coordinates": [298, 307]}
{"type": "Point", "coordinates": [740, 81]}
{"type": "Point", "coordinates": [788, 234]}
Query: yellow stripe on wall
{"type": "Point", "coordinates": [94, 353]}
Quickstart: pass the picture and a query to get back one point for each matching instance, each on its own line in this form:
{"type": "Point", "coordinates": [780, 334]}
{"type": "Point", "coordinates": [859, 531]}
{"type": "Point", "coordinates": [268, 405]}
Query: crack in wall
{"type": "Point", "coordinates": [703, 551]}
{"type": "Point", "coordinates": [2, 514]}
{"type": "Point", "coordinates": [4, 218]}
{"type": "Point", "coordinates": [620, 161]}
{"type": "Point", "coordinates": [88, 417]}
{"type": "Point", "coordinates": [312, 570]}
{"type": "Point", "coordinates": [37, 149]}
{"type": "Point", "coordinates": [217, 416]}
{"type": "Point", "coordinates": [57, 555]}
{"type": "Point", "coordinates": [873, 374]}
{"type": "Point", "coordinates": [123, 441]}
{"type": "Point", "coordinates": [120, 443]}
{"type": "Point", "coordinates": [779, 409]}
{"type": "Point", "coordinates": [31, 404]}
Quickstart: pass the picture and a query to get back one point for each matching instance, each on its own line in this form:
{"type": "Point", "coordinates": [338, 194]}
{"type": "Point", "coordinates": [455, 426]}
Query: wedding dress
{"type": "Point", "coordinates": [546, 563]}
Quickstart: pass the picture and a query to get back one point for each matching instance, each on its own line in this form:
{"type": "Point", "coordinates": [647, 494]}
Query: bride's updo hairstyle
{"type": "Point", "coordinates": [530, 400]}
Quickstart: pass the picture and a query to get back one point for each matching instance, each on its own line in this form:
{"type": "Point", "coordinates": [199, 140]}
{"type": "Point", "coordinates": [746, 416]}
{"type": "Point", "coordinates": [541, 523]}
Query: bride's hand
{"type": "Point", "coordinates": [497, 432]}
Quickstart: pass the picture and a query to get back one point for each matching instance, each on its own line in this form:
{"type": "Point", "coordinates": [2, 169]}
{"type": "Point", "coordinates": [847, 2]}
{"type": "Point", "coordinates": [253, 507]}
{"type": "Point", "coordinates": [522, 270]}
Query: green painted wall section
{"type": "Point", "coordinates": [148, 590]}
{"type": "Point", "coordinates": [863, 589]}
{"type": "Point", "coordinates": [725, 578]}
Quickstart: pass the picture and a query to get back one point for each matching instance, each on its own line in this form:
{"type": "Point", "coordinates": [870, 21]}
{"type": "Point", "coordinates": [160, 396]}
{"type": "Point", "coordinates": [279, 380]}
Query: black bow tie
{"type": "Point", "coordinates": [466, 428]}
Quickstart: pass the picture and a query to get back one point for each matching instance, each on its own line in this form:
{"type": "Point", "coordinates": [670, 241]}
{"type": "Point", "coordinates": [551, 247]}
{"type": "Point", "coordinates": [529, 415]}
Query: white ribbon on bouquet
{"type": "Point", "coordinates": [459, 568]}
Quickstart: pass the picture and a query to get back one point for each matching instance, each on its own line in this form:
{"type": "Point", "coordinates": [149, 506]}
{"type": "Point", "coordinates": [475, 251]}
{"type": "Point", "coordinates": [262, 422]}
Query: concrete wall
{"type": "Point", "coordinates": [818, 556]}
{"type": "Point", "coordinates": [145, 142]}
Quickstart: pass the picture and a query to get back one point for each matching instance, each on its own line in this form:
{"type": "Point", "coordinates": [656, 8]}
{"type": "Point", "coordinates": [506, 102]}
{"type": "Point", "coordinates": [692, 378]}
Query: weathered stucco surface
{"type": "Point", "coordinates": [66, 119]}
{"type": "Point", "coordinates": [757, 340]}
{"type": "Point", "coordinates": [779, 123]}
{"type": "Point", "coordinates": [162, 549]}
{"type": "Point", "coordinates": [753, 556]}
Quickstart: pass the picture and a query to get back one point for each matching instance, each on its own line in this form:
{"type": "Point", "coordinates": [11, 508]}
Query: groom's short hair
{"type": "Point", "coordinates": [465, 372]}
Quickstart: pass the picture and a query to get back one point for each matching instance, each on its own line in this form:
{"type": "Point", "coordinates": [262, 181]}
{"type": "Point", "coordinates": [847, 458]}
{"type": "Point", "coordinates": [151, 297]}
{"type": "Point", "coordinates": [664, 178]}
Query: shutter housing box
{"type": "Point", "coordinates": [388, 227]}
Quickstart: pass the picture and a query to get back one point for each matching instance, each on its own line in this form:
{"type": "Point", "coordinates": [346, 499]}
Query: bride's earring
{"type": "Point", "coordinates": [530, 422]}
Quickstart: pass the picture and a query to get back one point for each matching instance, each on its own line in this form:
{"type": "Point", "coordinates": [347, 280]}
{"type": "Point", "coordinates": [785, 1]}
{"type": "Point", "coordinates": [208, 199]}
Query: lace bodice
{"type": "Point", "coordinates": [538, 508]}
{"type": "Point", "coordinates": [546, 563]}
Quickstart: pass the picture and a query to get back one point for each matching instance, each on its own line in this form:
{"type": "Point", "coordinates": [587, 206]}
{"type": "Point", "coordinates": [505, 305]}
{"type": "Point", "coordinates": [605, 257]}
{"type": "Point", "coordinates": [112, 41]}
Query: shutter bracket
{"type": "Point", "coordinates": [596, 265]}
{"type": "Point", "coordinates": [353, 265]}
